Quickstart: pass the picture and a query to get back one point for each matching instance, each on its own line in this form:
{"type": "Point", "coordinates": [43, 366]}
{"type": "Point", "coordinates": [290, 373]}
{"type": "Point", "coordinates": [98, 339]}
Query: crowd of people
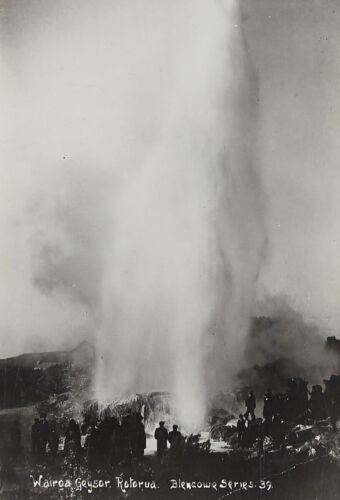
{"type": "Point", "coordinates": [42, 433]}
{"type": "Point", "coordinates": [108, 440]}
{"type": "Point", "coordinates": [296, 405]}
{"type": "Point", "coordinates": [105, 441]}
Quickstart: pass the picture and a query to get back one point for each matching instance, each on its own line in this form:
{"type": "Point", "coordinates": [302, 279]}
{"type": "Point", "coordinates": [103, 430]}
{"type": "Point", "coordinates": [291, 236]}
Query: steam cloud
{"type": "Point", "coordinates": [156, 230]}
{"type": "Point", "coordinates": [282, 344]}
{"type": "Point", "coordinates": [187, 229]}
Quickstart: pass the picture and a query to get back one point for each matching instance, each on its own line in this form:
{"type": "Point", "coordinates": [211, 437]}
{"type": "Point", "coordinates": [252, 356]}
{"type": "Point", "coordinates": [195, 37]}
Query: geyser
{"type": "Point", "coordinates": [186, 222]}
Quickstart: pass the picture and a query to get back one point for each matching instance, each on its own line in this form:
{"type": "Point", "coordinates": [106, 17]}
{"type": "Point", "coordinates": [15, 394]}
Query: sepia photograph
{"type": "Point", "coordinates": [169, 249]}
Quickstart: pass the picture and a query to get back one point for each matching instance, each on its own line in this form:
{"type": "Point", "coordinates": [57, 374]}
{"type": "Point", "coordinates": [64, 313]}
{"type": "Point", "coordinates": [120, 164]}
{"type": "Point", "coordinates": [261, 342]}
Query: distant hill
{"type": "Point", "coordinates": [82, 353]}
{"type": "Point", "coordinates": [34, 377]}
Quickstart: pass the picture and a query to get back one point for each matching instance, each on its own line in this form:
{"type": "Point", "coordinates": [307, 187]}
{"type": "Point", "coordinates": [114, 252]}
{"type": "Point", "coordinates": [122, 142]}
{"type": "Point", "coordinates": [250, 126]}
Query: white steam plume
{"type": "Point", "coordinates": [187, 229]}
{"type": "Point", "coordinates": [134, 131]}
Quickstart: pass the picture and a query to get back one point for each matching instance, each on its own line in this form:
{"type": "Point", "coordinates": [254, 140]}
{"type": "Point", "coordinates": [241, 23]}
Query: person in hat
{"type": "Point", "coordinates": [140, 437]}
{"type": "Point", "coordinates": [241, 427]}
{"type": "Point", "coordinates": [44, 433]}
{"type": "Point", "coordinates": [161, 436]}
{"type": "Point", "coordinates": [251, 405]}
{"type": "Point", "coordinates": [175, 439]}
{"type": "Point", "coordinates": [73, 437]}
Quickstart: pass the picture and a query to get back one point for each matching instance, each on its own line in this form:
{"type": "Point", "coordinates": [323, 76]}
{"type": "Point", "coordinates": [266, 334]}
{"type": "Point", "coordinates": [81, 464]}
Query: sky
{"type": "Point", "coordinates": [294, 46]}
{"type": "Point", "coordinates": [62, 92]}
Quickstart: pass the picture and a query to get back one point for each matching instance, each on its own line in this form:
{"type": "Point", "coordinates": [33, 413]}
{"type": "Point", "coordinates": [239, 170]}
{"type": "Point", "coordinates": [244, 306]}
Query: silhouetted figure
{"type": "Point", "coordinates": [35, 436]}
{"type": "Point", "coordinates": [92, 444]}
{"type": "Point", "coordinates": [128, 424]}
{"type": "Point", "coordinates": [292, 405]}
{"type": "Point", "coordinates": [284, 405]}
{"type": "Point", "coordinates": [123, 441]}
{"type": "Point", "coordinates": [175, 439]}
{"type": "Point", "coordinates": [268, 407]}
{"type": "Point", "coordinates": [44, 434]}
{"type": "Point", "coordinates": [241, 427]}
{"type": "Point", "coordinates": [128, 420]}
{"type": "Point", "coordinates": [139, 441]}
{"type": "Point", "coordinates": [332, 398]}
{"type": "Point", "coordinates": [161, 436]}
{"type": "Point", "coordinates": [317, 403]}
{"type": "Point", "coordinates": [73, 438]}
{"type": "Point", "coordinates": [250, 405]}
{"type": "Point", "coordinates": [107, 438]}
{"type": "Point", "coordinates": [260, 435]}
{"type": "Point", "coordinates": [53, 439]}
{"type": "Point", "coordinates": [114, 439]}
{"type": "Point", "coordinates": [249, 435]}
{"type": "Point", "coordinates": [297, 394]}
{"type": "Point", "coordinates": [85, 426]}
{"type": "Point", "coordinates": [303, 396]}
{"type": "Point", "coordinates": [105, 430]}
{"type": "Point", "coordinates": [116, 442]}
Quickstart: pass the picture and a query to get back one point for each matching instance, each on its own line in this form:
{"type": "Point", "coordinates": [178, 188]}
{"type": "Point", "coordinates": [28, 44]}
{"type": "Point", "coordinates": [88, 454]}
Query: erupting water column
{"type": "Point", "coordinates": [187, 229]}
